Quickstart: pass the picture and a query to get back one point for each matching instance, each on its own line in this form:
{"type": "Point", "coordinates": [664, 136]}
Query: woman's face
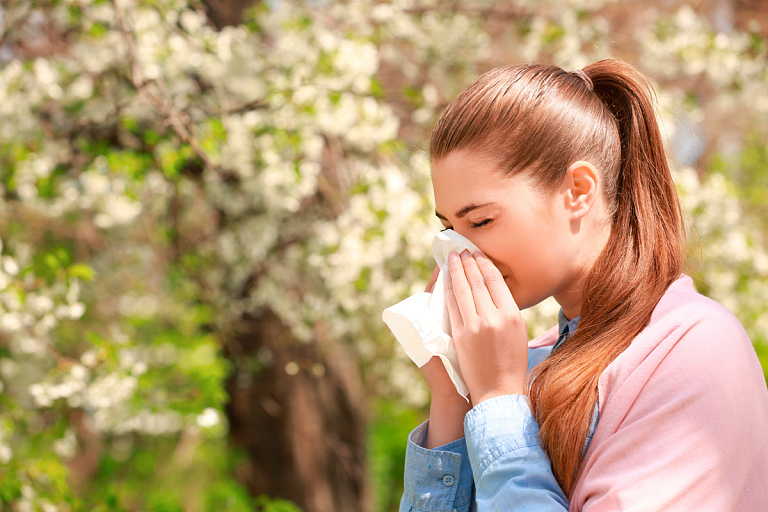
{"type": "Point", "coordinates": [526, 232]}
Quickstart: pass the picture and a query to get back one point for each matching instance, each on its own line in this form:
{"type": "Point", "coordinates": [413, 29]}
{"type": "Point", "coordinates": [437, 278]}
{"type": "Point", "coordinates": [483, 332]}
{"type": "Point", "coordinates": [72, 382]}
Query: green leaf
{"type": "Point", "coordinates": [81, 271]}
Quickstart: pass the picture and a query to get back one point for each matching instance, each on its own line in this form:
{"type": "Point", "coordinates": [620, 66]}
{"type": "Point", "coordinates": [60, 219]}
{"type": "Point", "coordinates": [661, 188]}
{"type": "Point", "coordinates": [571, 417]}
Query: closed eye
{"type": "Point", "coordinates": [481, 223]}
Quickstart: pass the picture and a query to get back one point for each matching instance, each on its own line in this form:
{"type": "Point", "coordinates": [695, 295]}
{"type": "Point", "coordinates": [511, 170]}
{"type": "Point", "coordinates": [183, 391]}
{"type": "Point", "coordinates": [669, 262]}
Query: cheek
{"type": "Point", "coordinates": [502, 253]}
{"type": "Point", "coordinates": [522, 254]}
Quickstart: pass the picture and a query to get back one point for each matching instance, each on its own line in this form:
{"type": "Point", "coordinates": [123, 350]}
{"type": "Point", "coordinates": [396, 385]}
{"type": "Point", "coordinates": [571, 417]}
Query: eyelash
{"type": "Point", "coordinates": [481, 223]}
{"type": "Point", "coordinates": [474, 224]}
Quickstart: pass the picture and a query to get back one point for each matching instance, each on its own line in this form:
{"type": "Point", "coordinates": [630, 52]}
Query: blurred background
{"type": "Point", "coordinates": [206, 205]}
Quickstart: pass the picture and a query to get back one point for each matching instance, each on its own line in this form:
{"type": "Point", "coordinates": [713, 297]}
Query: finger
{"type": "Point", "coordinates": [461, 289]}
{"type": "Point", "coordinates": [454, 315]}
{"type": "Point", "coordinates": [432, 280]}
{"type": "Point", "coordinates": [480, 292]}
{"type": "Point", "coordinates": [494, 281]}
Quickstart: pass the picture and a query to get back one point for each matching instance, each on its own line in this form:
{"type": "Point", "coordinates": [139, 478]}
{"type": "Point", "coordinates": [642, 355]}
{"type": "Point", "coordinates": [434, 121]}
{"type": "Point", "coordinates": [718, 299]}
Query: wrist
{"type": "Point", "coordinates": [446, 420]}
{"type": "Point", "coordinates": [451, 407]}
{"type": "Point", "coordinates": [487, 395]}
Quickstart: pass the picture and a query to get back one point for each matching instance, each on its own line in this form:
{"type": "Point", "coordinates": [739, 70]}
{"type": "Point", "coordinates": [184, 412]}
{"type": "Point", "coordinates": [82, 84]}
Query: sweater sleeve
{"type": "Point", "coordinates": [684, 425]}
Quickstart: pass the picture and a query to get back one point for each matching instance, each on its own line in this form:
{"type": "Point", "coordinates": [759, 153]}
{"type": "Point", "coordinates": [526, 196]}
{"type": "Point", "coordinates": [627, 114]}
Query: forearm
{"type": "Point", "coordinates": [446, 420]}
{"type": "Point", "coordinates": [448, 408]}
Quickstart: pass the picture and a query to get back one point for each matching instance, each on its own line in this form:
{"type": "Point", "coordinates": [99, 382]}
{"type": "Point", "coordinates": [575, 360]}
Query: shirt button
{"type": "Point", "coordinates": [448, 480]}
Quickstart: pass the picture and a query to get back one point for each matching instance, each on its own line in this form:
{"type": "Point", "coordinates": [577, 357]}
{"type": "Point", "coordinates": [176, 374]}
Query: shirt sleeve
{"type": "Point", "coordinates": [499, 465]}
{"type": "Point", "coordinates": [511, 470]}
{"type": "Point", "coordinates": [436, 480]}
{"type": "Point", "coordinates": [442, 479]}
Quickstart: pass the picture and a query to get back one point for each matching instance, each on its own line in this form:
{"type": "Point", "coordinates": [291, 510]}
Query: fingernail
{"type": "Point", "coordinates": [477, 255]}
{"type": "Point", "coordinates": [465, 253]}
{"type": "Point", "coordinates": [452, 257]}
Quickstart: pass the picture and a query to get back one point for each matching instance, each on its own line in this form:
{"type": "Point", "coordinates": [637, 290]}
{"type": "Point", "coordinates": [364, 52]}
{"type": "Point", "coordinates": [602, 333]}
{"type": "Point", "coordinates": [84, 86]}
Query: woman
{"type": "Point", "coordinates": [648, 396]}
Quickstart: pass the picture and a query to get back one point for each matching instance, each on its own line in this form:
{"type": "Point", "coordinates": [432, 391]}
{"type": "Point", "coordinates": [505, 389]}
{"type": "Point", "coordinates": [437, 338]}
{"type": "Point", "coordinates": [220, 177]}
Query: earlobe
{"type": "Point", "coordinates": [583, 184]}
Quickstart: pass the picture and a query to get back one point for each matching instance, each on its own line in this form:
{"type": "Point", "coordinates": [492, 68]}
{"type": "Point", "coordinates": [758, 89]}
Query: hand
{"type": "Point", "coordinates": [490, 335]}
{"type": "Point", "coordinates": [447, 407]}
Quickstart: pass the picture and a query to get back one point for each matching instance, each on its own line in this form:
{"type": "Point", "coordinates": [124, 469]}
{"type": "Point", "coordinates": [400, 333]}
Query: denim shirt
{"type": "Point", "coordinates": [498, 465]}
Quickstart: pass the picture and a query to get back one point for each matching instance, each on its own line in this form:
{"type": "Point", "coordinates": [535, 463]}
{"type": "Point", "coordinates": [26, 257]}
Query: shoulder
{"type": "Point", "coordinates": [685, 320]}
{"type": "Point", "coordinates": [700, 336]}
{"type": "Point", "coordinates": [682, 306]}
{"type": "Point", "coordinates": [690, 340]}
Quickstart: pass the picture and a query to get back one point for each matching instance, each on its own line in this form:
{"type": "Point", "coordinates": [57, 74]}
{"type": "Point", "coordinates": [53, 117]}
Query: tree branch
{"type": "Point", "coordinates": [158, 97]}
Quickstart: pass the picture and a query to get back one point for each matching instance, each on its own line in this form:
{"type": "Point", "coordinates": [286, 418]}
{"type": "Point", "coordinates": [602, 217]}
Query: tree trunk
{"type": "Point", "coordinates": [224, 13]}
{"type": "Point", "coordinates": [296, 408]}
{"type": "Point", "coordinates": [298, 411]}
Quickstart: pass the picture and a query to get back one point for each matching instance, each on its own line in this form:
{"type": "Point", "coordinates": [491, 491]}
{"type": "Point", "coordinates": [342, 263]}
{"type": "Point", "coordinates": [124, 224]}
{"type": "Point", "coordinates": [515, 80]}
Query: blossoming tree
{"type": "Point", "coordinates": [201, 225]}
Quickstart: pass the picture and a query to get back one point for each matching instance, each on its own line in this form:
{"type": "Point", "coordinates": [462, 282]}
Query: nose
{"type": "Point", "coordinates": [466, 234]}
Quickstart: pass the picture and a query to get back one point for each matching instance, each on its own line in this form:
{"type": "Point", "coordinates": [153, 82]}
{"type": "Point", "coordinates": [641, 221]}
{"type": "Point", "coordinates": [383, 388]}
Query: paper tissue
{"type": "Point", "coordinates": [421, 324]}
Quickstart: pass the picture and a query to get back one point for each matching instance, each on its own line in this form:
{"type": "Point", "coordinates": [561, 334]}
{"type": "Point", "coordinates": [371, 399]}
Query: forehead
{"type": "Point", "coordinates": [466, 177]}
{"type": "Point", "coordinates": [463, 178]}
{"type": "Point", "coordinates": [467, 168]}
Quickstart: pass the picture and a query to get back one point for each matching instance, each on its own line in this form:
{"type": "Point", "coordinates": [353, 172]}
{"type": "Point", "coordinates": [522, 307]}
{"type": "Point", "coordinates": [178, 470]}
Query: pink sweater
{"type": "Point", "coordinates": [683, 416]}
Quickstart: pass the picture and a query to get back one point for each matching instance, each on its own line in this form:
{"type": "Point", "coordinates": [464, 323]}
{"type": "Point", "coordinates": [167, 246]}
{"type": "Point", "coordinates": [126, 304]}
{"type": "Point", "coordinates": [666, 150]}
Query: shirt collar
{"type": "Point", "coordinates": [563, 322]}
{"type": "Point", "coordinates": [566, 327]}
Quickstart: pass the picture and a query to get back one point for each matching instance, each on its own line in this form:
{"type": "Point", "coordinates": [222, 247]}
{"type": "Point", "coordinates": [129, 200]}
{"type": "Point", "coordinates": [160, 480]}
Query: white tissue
{"type": "Point", "coordinates": [421, 324]}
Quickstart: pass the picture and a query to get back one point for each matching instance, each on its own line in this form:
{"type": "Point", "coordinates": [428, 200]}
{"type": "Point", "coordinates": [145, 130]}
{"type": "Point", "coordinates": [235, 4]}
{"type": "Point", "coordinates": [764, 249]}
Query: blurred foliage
{"type": "Point", "coordinates": [159, 178]}
{"type": "Point", "coordinates": [392, 423]}
{"type": "Point", "coordinates": [747, 167]}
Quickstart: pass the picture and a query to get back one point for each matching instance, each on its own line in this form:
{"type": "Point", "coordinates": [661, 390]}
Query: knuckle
{"type": "Point", "coordinates": [475, 328]}
{"type": "Point", "coordinates": [494, 323]}
{"type": "Point", "coordinates": [460, 291]}
{"type": "Point", "coordinates": [514, 318]}
{"type": "Point", "coordinates": [476, 282]}
{"type": "Point", "coordinates": [494, 277]}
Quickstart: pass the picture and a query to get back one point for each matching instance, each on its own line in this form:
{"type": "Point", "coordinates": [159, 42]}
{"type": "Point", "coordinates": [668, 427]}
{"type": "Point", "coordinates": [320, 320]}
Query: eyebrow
{"type": "Point", "coordinates": [464, 211]}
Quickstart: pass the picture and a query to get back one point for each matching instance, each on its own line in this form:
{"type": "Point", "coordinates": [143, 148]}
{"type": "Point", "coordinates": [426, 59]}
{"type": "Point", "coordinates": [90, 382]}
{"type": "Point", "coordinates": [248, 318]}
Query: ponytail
{"type": "Point", "coordinates": [643, 256]}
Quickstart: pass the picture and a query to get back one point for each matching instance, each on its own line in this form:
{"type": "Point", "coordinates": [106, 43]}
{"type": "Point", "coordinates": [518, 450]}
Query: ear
{"type": "Point", "coordinates": [582, 183]}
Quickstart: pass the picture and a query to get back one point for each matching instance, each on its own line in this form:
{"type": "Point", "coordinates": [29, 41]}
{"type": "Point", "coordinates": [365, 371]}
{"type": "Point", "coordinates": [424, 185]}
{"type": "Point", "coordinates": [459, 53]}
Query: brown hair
{"type": "Point", "coordinates": [538, 120]}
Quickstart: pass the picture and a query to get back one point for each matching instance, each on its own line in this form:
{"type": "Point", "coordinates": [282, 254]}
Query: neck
{"type": "Point", "coordinates": [589, 247]}
{"type": "Point", "coordinates": [571, 300]}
